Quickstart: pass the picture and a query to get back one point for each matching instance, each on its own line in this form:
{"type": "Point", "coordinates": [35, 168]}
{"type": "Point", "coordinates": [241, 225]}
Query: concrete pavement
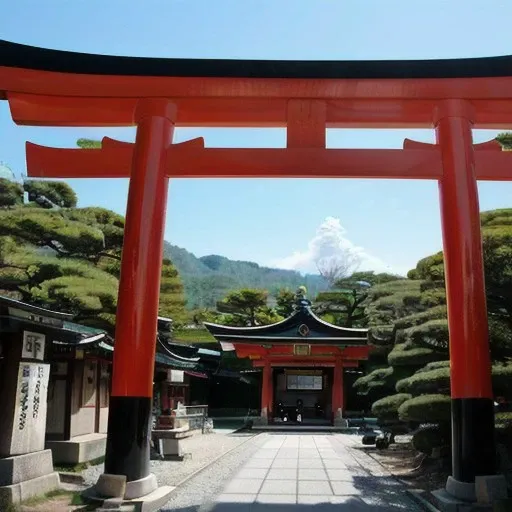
{"type": "Point", "coordinates": [310, 472]}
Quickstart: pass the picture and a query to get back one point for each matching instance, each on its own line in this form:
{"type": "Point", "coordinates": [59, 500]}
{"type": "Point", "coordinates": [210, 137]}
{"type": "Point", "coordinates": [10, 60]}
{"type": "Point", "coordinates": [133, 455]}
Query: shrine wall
{"type": "Point", "coordinates": [83, 398]}
{"type": "Point", "coordinates": [56, 414]}
{"type": "Point", "coordinates": [104, 390]}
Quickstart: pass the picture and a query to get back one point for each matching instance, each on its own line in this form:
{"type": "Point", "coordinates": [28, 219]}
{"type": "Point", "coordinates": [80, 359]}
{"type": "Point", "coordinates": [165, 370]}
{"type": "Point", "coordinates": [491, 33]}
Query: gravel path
{"type": "Point", "coordinates": [203, 450]}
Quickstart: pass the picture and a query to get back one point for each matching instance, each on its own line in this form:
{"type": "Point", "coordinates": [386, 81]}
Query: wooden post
{"type": "Point", "coordinates": [129, 427]}
{"type": "Point", "coordinates": [471, 389]}
{"type": "Point", "coordinates": [266, 391]}
{"type": "Point", "coordinates": [337, 391]}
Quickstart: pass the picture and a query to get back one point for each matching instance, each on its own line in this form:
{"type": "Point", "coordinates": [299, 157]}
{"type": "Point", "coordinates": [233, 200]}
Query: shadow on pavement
{"type": "Point", "coordinates": [347, 504]}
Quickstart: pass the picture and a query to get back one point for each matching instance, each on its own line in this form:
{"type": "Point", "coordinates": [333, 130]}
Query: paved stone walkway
{"type": "Point", "coordinates": [310, 472]}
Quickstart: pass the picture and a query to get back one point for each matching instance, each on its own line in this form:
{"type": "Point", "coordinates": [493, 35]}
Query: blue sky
{"type": "Point", "coordinates": [280, 222]}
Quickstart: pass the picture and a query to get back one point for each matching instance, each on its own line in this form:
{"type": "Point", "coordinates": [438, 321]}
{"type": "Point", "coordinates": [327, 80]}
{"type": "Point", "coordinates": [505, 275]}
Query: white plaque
{"type": "Point", "coordinates": [33, 345]}
{"type": "Point", "coordinates": [29, 425]}
{"type": "Point", "coordinates": [175, 376]}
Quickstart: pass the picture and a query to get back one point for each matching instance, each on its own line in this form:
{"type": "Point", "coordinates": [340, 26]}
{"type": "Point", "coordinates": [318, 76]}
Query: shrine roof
{"type": "Point", "coordinates": [303, 326]}
{"type": "Point", "coordinates": [15, 314]}
{"type": "Point", "coordinates": [186, 357]}
{"type": "Point", "coordinates": [6, 304]}
{"type": "Point", "coordinates": [16, 55]}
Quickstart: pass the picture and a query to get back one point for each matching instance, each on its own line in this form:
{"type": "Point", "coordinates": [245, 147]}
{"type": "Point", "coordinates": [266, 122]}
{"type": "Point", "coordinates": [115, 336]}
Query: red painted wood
{"type": "Point", "coordinates": [337, 387]}
{"type": "Point", "coordinates": [141, 264]}
{"type": "Point", "coordinates": [266, 390]}
{"type": "Point", "coordinates": [188, 160]}
{"type": "Point", "coordinates": [465, 288]}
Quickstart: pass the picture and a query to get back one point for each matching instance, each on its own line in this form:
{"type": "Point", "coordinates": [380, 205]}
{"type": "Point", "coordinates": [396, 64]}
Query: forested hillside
{"type": "Point", "coordinates": [208, 279]}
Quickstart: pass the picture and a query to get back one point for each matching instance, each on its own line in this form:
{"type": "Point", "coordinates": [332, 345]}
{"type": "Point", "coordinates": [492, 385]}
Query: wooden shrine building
{"type": "Point", "coordinates": [302, 358]}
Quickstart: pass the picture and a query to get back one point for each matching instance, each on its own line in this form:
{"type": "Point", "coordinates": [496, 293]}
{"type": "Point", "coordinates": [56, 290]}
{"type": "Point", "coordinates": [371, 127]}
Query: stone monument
{"type": "Point", "coordinates": [26, 468]}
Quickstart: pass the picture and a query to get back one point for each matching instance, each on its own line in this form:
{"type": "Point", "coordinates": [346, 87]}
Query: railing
{"type": "Point", "coordinates": [196, 415]}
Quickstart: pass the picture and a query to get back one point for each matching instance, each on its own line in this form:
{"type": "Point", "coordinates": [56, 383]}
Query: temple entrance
{"type": "Point", "coordinates": [301, 358]}
{"type": "Point", "coordinates": [313, 386]}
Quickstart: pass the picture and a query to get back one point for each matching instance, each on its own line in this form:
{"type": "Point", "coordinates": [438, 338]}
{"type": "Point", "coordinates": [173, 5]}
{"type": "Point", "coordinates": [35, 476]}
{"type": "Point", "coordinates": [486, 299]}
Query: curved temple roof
{"type": "Point", "coordinates": [30, 57]}
{"type": "Point", "coordinates": [303, 326]}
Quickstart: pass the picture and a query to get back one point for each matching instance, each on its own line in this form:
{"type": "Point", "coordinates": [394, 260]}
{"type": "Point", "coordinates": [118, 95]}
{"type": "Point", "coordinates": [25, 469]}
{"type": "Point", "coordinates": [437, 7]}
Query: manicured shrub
{"type": "Point", "coordinates": [407, 354]}
{"type": "Point", "coordinates": [425, 382]}
{"type": "Point", "coordinates": [427, 438]}
{"type": "Point", "coordinates": [436, 313]}
{"type": "Point", "coordinates": [387, 408]}
{"type": "Point", "coordinates": [430, 334]}
{"type": "Point", "coordinates": [426, 409]}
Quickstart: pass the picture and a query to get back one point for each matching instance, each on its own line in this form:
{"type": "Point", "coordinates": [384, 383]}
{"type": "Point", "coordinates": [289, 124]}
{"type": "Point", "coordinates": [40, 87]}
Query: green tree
{"type": "Point", "coordinates": [408, 323]}
{"type": "Point", "coordinates": [246, 307]}
{"type": "Point", "coordinates": [49, 194]}
{"type": "Point", "coordinates": [59, 256]}
{"type": "Point", "coordinates": [11, 193]}
{"type": "Point", "coordinates": [285, 300]}
{"type": "Point", "coordinates": [343, 305]}
{"type": "Point", "coordinates": [505, 139]}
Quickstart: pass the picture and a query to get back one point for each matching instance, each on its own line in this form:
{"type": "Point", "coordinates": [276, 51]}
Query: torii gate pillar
{"type": "Point", "coordinates": [473, 446]}
{"type": "Point", "coordinates": [129, 422]}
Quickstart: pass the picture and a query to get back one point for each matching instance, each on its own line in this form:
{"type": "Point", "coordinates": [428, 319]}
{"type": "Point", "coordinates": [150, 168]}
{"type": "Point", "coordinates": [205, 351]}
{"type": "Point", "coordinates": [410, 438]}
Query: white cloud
{"type": "Point", "coordinates": [331, 241]}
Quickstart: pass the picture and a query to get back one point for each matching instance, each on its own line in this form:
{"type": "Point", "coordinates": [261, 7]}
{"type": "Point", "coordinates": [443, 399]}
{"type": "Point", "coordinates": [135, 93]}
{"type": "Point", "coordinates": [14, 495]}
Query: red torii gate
{"type": "Point", "coordinates": [54, 88]}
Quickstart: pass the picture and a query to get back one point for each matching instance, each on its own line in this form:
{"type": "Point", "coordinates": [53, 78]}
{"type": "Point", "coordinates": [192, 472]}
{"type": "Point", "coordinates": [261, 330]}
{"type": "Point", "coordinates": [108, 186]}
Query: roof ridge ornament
{"type": "Point", "coordinates": [301, 300]}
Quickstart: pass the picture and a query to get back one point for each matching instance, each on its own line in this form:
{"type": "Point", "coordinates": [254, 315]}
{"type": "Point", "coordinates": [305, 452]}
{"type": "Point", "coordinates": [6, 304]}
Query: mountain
{"type": "Point", "coordinates": [209, 278]}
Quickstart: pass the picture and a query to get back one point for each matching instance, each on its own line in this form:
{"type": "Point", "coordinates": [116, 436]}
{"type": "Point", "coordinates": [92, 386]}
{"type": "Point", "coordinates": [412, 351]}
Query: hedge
{"type": "Point", "coordinates": [434, 366]}
{"type": "Point", "coordinates": [430, 267]}
{"type": "Point", "coordinates": [390, 288]}
{"type": "Point", "coordinates": [436, 313]}
{"type": "Point", "coordinates": [434, 297]}
{"type": "Point", "coordinates": [428, 438]}
{"type": "Point", "coordinates": [426, 409]}
{"type": "Point", "coordinates": [435, 377]}
{"type": "Point", "coordinates": [381, 334]}
{"type": "Point", "coordinates": [502, 380]}
{"type": "Point", "coordinates": [425, 382]}
{"type": "Point", "coordinates": [503, 420]}
{"type": "Point", "coordinates": [407, 354]}
{"type": "Point", "coordinates": [431, 334]}
{"type": "Point", "coordinates": [380, 374]}
{"type": "Point", "coordinates": [387, 407]}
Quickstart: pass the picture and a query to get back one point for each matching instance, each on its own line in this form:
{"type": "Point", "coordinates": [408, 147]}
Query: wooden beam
{"type": "Point", "coordinates": [491, 162]}
{"type": "Point", "coordinates": [52, 83]}
{"type": "Point", "coordinates": [306, 124]}
{"type": "Point", "coordinates": [52, 110]}
{"type": "Point", "coordinates": [188, 160]}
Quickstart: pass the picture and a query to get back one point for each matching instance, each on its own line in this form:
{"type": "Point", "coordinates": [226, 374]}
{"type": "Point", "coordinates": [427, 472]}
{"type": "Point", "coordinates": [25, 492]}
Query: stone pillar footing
{"type": "Point", "coordinates": [115, 493]}
{"type": "Point", "coordinates": [464, 496]}
{"type": "Point", "coordinates": [262, 419]}
{"type": "Point", "coordinates": [339, 420]}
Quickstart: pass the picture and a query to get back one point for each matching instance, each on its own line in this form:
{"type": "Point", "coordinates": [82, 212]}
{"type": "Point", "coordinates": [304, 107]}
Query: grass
{"type": "Point", "coordinates": [78, 468]}
{"type": "Point", "coordinates": [41, 503]}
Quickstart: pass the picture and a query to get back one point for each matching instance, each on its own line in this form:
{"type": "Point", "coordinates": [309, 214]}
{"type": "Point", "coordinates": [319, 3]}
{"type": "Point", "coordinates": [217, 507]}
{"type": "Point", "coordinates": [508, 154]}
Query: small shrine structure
{"type": "Point", "coordinates": [301, 358]}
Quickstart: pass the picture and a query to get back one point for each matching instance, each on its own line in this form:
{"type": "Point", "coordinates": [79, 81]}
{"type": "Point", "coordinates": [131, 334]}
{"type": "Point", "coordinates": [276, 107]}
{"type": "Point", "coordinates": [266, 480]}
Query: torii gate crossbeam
{"type": "Point", "coordinates": [52, 88]}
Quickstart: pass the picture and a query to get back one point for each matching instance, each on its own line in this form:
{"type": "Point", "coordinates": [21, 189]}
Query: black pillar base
{"type": "Point", "coordinates": [473, 439]}
{"type": "Point", "coordinates": [128, 437]}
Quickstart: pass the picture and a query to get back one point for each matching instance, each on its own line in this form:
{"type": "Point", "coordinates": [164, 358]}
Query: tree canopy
{"type": "Point", "coordinates": [246, 307]}
{"type": "Point", "coordinates": [59, 256]}
{"type": "Point", "coordinates": [408, 325]}
{"type": "Point", "coordinates": [343, 305]}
